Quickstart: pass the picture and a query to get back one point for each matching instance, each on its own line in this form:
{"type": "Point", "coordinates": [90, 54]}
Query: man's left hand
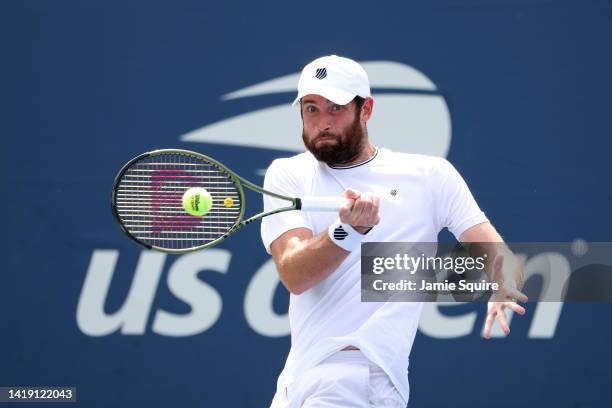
{"type": "Point", "coordinates": [507, 295]}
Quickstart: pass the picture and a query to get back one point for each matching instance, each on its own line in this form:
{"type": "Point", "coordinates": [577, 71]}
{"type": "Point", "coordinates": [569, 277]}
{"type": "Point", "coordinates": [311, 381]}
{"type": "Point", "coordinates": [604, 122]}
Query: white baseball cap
{"type": "Point", "coordinates": [336, 78]}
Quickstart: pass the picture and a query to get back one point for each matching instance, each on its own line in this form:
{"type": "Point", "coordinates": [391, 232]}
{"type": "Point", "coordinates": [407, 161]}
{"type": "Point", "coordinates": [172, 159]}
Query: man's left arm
{"type": "Point", "coordinates": [503, 267]}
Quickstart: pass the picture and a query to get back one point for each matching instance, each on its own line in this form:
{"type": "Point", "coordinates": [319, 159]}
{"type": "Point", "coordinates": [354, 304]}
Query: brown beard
{"type": "Point", "coordinates": [348, 147]}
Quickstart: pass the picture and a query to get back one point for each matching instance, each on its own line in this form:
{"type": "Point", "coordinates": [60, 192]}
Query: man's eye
{"type": "Point", "coordinates": [337, 107]}
{"type": "Point", "coordinates": [310, 108]}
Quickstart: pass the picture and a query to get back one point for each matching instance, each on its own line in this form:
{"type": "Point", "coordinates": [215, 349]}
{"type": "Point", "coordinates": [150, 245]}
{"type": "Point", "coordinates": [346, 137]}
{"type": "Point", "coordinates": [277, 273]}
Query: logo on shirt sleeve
{"type": "Point", "coordinates": [340, 233]}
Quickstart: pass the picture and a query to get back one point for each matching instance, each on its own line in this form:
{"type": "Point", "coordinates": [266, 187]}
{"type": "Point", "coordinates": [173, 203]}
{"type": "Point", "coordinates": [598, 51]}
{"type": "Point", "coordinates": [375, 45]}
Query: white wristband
{"type": "Point", "coordinates": [344, 236]}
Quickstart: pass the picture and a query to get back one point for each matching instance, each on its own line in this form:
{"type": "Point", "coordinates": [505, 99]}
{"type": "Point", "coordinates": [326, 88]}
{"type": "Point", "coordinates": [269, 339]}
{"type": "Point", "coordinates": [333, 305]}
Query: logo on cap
{"type": "Point", "coordinates": [321, 73]}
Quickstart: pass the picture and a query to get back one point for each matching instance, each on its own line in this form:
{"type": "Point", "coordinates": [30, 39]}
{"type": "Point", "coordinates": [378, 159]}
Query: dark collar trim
{"type": "Point", "coordinates": [356, 165]}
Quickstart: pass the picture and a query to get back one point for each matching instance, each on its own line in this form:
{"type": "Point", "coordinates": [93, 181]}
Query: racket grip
{"type": "Point", "coordinates": [322, 203]}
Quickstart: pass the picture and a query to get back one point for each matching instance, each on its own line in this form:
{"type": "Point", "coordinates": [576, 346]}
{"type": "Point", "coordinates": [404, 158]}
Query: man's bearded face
{"type": "Point", "coordinates": [336, 146]}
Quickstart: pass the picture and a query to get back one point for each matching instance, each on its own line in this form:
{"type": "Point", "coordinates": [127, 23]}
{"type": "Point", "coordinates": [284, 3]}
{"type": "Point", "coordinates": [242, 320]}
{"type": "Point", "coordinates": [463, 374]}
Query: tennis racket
{"type": "Point", "coordinates": [147, 201]}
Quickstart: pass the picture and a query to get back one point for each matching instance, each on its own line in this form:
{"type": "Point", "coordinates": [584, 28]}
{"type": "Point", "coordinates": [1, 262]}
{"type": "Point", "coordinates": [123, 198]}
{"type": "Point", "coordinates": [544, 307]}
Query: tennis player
{"type": "Point", "coordinates": [345, 353]}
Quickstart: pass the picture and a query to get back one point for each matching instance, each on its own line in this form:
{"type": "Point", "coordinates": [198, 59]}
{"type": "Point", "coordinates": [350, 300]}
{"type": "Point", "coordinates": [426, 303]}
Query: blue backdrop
{"type": "Point", "coordinates": [515, 93]}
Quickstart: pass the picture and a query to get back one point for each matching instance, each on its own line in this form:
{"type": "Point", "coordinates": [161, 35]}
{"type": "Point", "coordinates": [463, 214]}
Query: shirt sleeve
{"type": "Point", "coordinates": [281, 180]}
{"type": "Point", "coordinates": [457, 208]}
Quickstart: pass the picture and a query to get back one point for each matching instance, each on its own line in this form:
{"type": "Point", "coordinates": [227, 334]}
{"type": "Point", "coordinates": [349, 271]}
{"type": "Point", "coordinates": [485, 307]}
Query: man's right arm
{"type": "Point", "coordinates": [303, 260]}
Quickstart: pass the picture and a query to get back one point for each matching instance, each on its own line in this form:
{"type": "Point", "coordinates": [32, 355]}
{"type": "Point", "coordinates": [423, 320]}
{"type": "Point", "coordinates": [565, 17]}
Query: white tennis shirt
{"type": "Point", "coordinates": [419, 196]}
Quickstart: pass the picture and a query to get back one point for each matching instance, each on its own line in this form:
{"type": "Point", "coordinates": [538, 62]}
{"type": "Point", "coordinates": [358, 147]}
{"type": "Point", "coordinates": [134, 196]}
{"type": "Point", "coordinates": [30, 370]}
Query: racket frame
{"type": "Point", "coordinates": [239, 182]}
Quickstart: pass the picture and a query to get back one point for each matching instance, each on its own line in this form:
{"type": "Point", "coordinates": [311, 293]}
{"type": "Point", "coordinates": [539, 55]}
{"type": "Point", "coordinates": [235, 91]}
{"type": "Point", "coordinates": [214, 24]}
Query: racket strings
{"type": "Point", "coordinates": [148, 201]}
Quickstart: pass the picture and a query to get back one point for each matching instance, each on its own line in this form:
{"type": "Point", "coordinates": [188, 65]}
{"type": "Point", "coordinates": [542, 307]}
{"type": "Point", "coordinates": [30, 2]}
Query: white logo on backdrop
{"type": "Point", "coordinates": [408, 121]}
{"type": "Point", "coordinates": [206, 303]}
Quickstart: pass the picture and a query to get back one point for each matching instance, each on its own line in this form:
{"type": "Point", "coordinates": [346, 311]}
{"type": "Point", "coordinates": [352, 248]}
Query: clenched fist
{"type": "Point", "coordinates": [360, 211]}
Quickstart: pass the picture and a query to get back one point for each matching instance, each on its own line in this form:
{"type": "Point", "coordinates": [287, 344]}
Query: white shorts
{"type": "Point", "coordinates": [346, 379]}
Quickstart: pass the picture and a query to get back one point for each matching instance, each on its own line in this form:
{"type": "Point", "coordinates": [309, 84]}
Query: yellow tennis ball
{"type": "Point", "coordinates": [197, 201]}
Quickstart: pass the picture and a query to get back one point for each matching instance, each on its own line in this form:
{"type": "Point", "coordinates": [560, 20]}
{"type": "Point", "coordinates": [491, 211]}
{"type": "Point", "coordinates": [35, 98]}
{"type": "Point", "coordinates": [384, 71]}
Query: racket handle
{"type": "Point", "coordinates": [321, 203]}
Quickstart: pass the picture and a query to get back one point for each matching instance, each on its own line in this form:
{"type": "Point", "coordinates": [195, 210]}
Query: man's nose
{"type": "Point", "coordinates": [325, 122]}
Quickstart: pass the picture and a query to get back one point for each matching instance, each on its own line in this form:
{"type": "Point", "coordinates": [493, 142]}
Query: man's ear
{"type": "Point", "coordinates": [366, 109]}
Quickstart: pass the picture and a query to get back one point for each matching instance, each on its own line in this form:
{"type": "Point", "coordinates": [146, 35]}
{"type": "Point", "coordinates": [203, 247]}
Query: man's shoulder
{"type": "Point", "coordinates": [304, 159]}
{"type": "Point", "coordinates": [297, 167]}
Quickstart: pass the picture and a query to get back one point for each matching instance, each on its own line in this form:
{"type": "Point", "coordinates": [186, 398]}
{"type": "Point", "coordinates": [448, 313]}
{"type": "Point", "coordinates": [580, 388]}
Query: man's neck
{"type": "Point", "coordinates": [366, 154]}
